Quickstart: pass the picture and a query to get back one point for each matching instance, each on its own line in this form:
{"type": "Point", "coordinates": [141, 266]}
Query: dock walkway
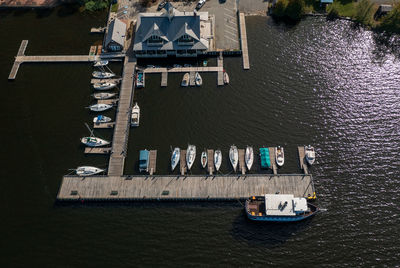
{"type": "Point", "coordinates": [131, 188]}
{"type": "Point", "coordinates": [243, 41]}
{"type": "Point", "coordinates": [302, 159]}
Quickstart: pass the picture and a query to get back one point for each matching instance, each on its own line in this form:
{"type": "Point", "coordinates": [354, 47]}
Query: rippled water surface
{"type": "Point", "coordinates": [324, 83]}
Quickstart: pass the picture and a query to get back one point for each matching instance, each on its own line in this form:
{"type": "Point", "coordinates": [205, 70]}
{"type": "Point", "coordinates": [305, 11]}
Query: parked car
{"type": "Point", "coordinates": [161, 5]}
{"type": "Point", "coordinates": [200, 4]}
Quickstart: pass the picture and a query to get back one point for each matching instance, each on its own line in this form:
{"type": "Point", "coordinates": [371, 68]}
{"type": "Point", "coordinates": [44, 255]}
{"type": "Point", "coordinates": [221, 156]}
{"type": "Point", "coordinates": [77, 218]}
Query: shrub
{"type": "Point", "coordinates": [364, 11]}
{"type": "Point", "coordinates": [279, 9]}
{"type": "Point", "coordinates": [333, 11]}
{"type": "Point", "coordinates": [391, 22]}
{"type": "Point", "coordinates": [295, 9]}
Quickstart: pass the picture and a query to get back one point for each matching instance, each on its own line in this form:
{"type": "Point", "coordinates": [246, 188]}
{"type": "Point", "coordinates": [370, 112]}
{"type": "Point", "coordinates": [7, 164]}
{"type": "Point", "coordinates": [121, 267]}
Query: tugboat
{"type": "Point", "coordinates": [279, 208]}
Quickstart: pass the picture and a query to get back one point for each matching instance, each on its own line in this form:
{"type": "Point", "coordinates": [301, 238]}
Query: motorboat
{"type": "Point", "coordinates": [144, 157]}
{"type": "Point", "coordinates": [198, 79]}
{"type": "Point", "coordinates": [205, 63]}
{"type": "Point", "coordinates": [104, 85]}
{"type": "Point", "coordinates": [264, 157]}
{"type": "Point", "coordinates": [103, 95]}
{"type": "Point", "coordinates": [100, 63]}
{"type": "Point", "coordinates": [279, 208]}
{"type": "Point", "coordinates": [226, 78]}
{"type": "Point", "coordinates": [310, 154]}
{"type": "Point", "coordinates": [177, 66]}
{"type": "Point", "coordinates": [102, 75]}
{"type": "Point", "coordinates": [190, 156]}
{"type": "Point", "coordinates": [217, 159]}
{"type": "Point", "coordinates": [234, 156]}
{"type": "Point", "coordinates": [100, 107]}
{"type": "Point", "coordinates": [85, 171]}
{"type": "Point", "coordinates": [101, 119]}
{"type": "Point", "coordinates": [203, 159]}
{"type": "Point", "coordinates": [187, 65]}
{"type": "Point", "coordinates": [185, 80]}
{"type": "Point", "coordinates": [279, 156]}
{"type": "Point", "coordinates": [249, 157]}
{"type": "Point", "coordinates": [175, 157]}
{"type": "Point", "coordinates": [140, 79]}
{"type": "Point", "coordinates": [94, 141]}
{"type": "Point", "coordinates": [135, 115]}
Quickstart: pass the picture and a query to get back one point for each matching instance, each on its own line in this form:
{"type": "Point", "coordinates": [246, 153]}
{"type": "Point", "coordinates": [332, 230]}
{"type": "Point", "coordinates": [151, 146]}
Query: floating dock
{"type": "Point", "coordinates": [182, 163]}
{"type": "Point", "coordinates": [243, 41]}
{"type": "Point", "coordinates": [164, 79]}
{"type": "Point", "coordinates": [302, 159]}
{"type": "Point", "coordinates": [21, 52]}
{"type": "Point", "coordinates": [98, 30]}
{"type": "Point", "coordinates": [104, 125]}
{"type": "Point", "coordinates": [108, 101]}
{"type": "Point", "coordinates": [152, 161]}
{"type": "Point", "coordinates": [210, 161]}
{"type": "Point", "coordinates": [242, 165]}
{"type": "Point", "coordinates": [97, 150]}
{"type": "Point", "coordinates": [272, 160]}
{"type": "Point", "coordinates": [182, 188]}
{"type": "Point", "coordinates": [220, 74]}
{"type": "Point", "coordinates": [112, 80]}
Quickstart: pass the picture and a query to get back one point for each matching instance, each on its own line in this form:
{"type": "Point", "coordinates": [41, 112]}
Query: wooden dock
{"type": "Point", "coordinates": [108, 101]}
{"type": "Point", "coordinates": [112, 80]}
{"type": "Point", "coordinates": [182, 188]}
{"type": "Point", "coordinates": [97, 150]}
{"type": "Point", "coordinates": [152, 162]}
{"type": "Point", "coordinates": [192, 79]}
{"type": "Point", "coordinates": [210, 161]}
{"type": "Point", "coordinates": [274, 167]}
{"type": "Point", "coordinates": [98, 29]}
{"type": "Point", "coordinates": [302, 159]}
{"type": "Point", "coordinates": [182, 163]}
{"type": "Point", "coordinates": [164, 79]}
{"type": "Point", "coordinates": [242, 164]}
{"type": "Point", "coordinates": [122, 121]}
{"type": "Point", "coordinates": [182, 70]}
{"type": "Point", "coordinates": [243, 41]}
{"type": "Point", "coordinates": [104, 125]}
{"type": "Point", "coordinates": [21, 52]}
{"type": "Point", "coordinates": [220, 74]}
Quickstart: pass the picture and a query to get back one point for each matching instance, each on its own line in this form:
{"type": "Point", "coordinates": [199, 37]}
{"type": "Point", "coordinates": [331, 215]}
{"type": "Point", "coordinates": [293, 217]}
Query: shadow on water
{"type": "Point", "coordinates": [43, 12]}
{"type": "Point", "coordinates": [67, 10]}
{"type": "Point", "coordinates": [264, 233]}
{"type": "Point", "coordinates": [386, 44]}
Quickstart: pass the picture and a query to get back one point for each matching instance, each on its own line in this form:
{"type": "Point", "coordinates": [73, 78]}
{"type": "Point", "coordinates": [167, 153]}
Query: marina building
{"type": "Point", "coordinates": [115, 38]}
{"type": "Point", "coordinates": [172, 33]}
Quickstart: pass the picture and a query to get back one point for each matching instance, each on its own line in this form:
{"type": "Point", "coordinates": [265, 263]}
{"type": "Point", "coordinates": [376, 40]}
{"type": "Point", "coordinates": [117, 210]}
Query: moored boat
{"type": "Point", "coordinates": [144, 160]}
{"type": "Point", "coordinates": [85, 171]}
{"type": "Point", "coordinates": [190, 156]}
{"type": "Point", "coordinates": [175, 157]}
{"type": "Point", "coordinates": [203, 159]}
{"type": "Point", "coordinates": [279, 156]}
{"type": "Point", "coordinates": [94, 142]}
{"type": "Point", "coordinates": [104, 85]}
{"type": "Point", "coordinates": [101, 119]}
{"type": "Point", "coordinates": [198, 79]}
{"type": "Point", "coordinates": [103, 95]}
{"type": "Point", "coordinates": [185, 80]}
{"type": "Point", "coordinates": [135, 115]}
{"type": "Point", "coordinates": [249, 157]}
{"type": "Point", "coordinates": [177, 66]}
{"type": "Point", "coordinates": [234, 156]}
{"type": "Point", "coordinates": [140, 79]}
{"type": "Point", "coordinates": [102, 75]}
{"type": "Point", "coordinates": [264, 157]}
{"type": "Point", "coordinates": [100, 107]}
{"type": "Point", "coordinates": [100, 63]}
{"type": "Point", "coordinates": [279, 208]}
{"type": "Point", "coordinates": [217, 159]}
{"type": "Point", "coordinates": [226, 78]}
{"type": "Point", "coordinates": [310, 154]}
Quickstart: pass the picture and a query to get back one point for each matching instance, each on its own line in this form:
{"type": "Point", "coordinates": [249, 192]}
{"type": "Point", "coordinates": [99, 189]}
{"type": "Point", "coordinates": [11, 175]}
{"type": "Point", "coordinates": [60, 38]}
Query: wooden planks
{"type": "Point", "coordinates": [242, 165]}
{"type": "Point", "coordinates": [97, 150]}
{"type": "Point", "coordinates": [17, 63]}
{"type": "Point", "coordinates": [152, 161]}
{"type": "Point", "coordinates": [104, 125]}
{"type": "Point", "coordinates": [243, 41]}
{"type": "Point", "coordinates": [272, 159]}
{"type": "Point", "coordinates": [192, 79]}
{"type": "Point", "coordinates": [22, 48]}
{"type": "Point", "coordinates": [63, 58]}
{"type": "Point", "coordinates": [183, 70]}
{"type": "Point", "coordinates": [112, 80]}
{"type": "Point", "coordinates": [302, 159]}
{"type": "Point", "coordinates": [108, 101]}
{"type": "Point", "coordinates": [164, 79]}
{"type": "Point", "coordinates": [220, 74]}
{"type": "Point", "coordinates": [130, 188]}
{"type": "Point", "coordinates": [182, 163]}
{"type": "Point", "coordinates": [210, 161]}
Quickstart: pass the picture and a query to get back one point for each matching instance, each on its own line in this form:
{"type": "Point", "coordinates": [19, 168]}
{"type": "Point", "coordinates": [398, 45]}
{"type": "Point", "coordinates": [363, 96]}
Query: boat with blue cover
{"type": "Point", "coordinates": [140, 79]}
{"type": "Point", "coordinates": [264, 157]}
{"type": "Point", "coordinates": [279, 208]}
{"type": "Point", "coordinates": [144, 160]}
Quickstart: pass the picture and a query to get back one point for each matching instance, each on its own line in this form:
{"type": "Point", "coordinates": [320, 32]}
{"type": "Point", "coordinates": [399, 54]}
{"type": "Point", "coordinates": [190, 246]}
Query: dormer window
{"type": "Point", "coordinates": [185, 40]}
{"type": "Point", "coordinates": [154, 40]}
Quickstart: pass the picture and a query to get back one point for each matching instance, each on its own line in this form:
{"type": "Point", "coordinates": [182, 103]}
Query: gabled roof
{"type": "Point", "coordinates": [185, 29]}
{"type": "Point", "coordinates": [116, 32]}
{"type": "Point", "coordinates": [155, 30]}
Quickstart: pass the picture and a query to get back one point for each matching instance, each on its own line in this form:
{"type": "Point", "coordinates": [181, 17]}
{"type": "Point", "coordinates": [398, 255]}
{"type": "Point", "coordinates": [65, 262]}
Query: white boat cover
{"type": "Point", "coordinates": [284, 205]}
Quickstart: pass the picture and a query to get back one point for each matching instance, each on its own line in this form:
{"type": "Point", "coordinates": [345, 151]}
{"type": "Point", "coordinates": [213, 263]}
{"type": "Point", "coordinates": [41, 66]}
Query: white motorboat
{"type": "Point", "coordinates": [234, 156]}
{"type": "Point", "coordinates": [175, 157]}
{"type": "Point", "coordinates": [104, 85]}
{"type": "Point", "coordinates": [100, 107]}
{"type": "Point", "coordinates": [177, 66]}
{"type": "Point", "coordinates": [102, 75]}
{"type": "Point", "coordinates": [249, 157]}
{"type": "Point", "coordinates": [185, 80]}
{"type": "Point", "coordinates": [198, 79]}
{"type": "Point", "coordinates": [279, 156]}
{"type": "Point", "coordinates": [190, 156]}
{"type": "Point", "coordinates": [103, 95]}
{"type": "Point", "coordinates": [100, 63]}
{"type": "Point", "coordinates": [187, 65]}
{"type": "Point", "coordinates": [226, 78]}
{"type": "Point", "coordinates": [203, 159]}
{"type": "Point", "coordinates": [310, 154]}
{"type": "Point", "coordinates": [217, 159]}
{"type": "Point", "coordinates": [85, 171]}
{"type": "Point", "coordinates": [94, 141]}
{"type": "Point", "coordinates": [140, 79]}
{"type": "Point", "coordinates": [101, 119]}
{"type": "Point", "coordinates": [135, 115]}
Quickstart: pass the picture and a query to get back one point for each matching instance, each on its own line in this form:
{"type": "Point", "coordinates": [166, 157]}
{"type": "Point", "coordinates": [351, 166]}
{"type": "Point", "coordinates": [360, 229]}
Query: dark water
{"type": "Point", "coordinates": [323, 83]}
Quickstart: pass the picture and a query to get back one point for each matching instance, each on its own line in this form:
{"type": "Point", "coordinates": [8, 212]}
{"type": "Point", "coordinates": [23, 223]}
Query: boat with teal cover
{"type": "Point", "coordinates": [144, 160]}
{"type": "Point", "coordinates": [264, 157]}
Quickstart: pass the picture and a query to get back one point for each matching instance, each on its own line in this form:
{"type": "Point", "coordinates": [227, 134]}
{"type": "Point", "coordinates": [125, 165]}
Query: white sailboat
{"type": "Point", "coordinates": [100, 63]}
{"type": "Point", "coordinates": [101, 119]}
{"type": "Point", "coordinates": [198, 79]}
{"type": "Point", "coordinates": [226, 78]}
{"type": "Point", "coordinates": [100, 107]}
{"type": "Point", "coordinates": [279, 156]}
{"type": "Point", "coordinates": [249, 157]}
{"type": "Point", "coordinates": [94, 141]}
{"type": "Point", "coordinates": [85, 171]}
{"type": "Point", "coordinates": [203, 159]}
{"type": "Point", "coordinates": [135, 115]}
{"type": "Point", "coordinates": [234, 156]}
{"type": "Point", "coordinates": [185, 80]}
{"type": "Point", "coordinates": [102, 75]}
{"type": "Point", "coordinates": [104, 85]}
{"type": "Point", "coordinates": [310, 154]}
{"type": "Point", "coordinates": [175, 157]}
{"type": "Point", "coordinates": [217, 159]}
{"type": "Point", "coordinates": [190, 156]}
{"type": "Point", "coordinates": [103, 95]}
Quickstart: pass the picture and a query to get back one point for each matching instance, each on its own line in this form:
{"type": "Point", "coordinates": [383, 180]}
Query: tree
{"type": "Point", "coordinates": [279, 8]}
{"type": "Point", "coordinates": [364, 11]}
{"type": "Point", "coordinates": [295, 9]}
{"type": "Point", "coordinates": [333, 11]}
{"type": "Point", "coordinates": [391, 22]}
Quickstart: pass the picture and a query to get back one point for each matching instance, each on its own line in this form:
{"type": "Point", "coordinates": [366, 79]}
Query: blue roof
{"type": "Point", "coordinates": [326, 1]}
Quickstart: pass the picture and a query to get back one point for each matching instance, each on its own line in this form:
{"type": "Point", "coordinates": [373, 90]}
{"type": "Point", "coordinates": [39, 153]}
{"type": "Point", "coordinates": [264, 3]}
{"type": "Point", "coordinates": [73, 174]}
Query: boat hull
{"type": "Point", "coordinates": [102, 75]}
{"type": "Point", "coordinates": [103, 96]}
{"type": "Point", "coordinates": [190, 156]}
{"type": "Point", "coordinates": [249, 157]}
{"type": "Point", "coordinates": [104, 86]}
{"type": "Point", "coordinates": [204, 159]}
{"type": "Point", "coordinates": [175, 157]}
{"type": "Point", "coordinates": [217, 160]}
{"type": "Point", "coordinates": [234, 157]}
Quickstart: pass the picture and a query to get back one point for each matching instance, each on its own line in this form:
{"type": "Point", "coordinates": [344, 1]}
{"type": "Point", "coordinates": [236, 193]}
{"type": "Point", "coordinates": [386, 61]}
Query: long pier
{"type": "Point", "coordinates": [201, 188]}
{"type": "Point", "coordinates": [243, 41]}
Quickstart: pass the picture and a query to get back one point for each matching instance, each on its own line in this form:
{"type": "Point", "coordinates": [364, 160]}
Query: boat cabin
{"type": "Point", "coordinates": [144, 160]}
{"type": "Point", "coordinates": [277, 205]}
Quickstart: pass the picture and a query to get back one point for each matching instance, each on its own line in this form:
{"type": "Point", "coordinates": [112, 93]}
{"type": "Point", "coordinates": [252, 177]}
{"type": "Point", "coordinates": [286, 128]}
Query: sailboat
{"type": "Point", "coordinates": [234, 156]}
{"type": "Point", "coordinates": [101, 119]}
{"type": "Point", "coordinates": [93, 141]}
{"type": "Point", "coordinates": [103, 95]}
{"type": "Point", "coordinates": [279, 156]}
{"type": "Point", "coordinates": [175, 157]}
{"type": "Point", "coordinates": [203, 159]}
{"type": "Point", "coordinates": [190, 156]}
{"type": "Point", "coordinates": [249, 157]}
{"type": "Point", "coordinates": [198, 79]}
{"type": "Point", "coordinates": [100, 63]}
{"type": "Point", "coordinates": [104, 85]}
{"type": "Point", "coordinates": [135, 115]}
{"type": "Point", "coordinates": [85, 171]}
{"type": "Point", "coordinates": [226, 78]}
{"type": "Point", "coordinates": [185, 80]}
{"type": "Point", "coordinates": [217, 159]}
{"type": "Point", "coordinates": [102, 75]}
{"type": "Point", "coordinates": [100, 107]}
{"type": "Point", "coordinates": [310, 154]}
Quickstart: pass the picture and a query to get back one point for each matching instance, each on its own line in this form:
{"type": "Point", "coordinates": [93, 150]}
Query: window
{"type": "Point", "coordinates": [154, 40]}
{"type": "Point", "coordinates": [185, 40]}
